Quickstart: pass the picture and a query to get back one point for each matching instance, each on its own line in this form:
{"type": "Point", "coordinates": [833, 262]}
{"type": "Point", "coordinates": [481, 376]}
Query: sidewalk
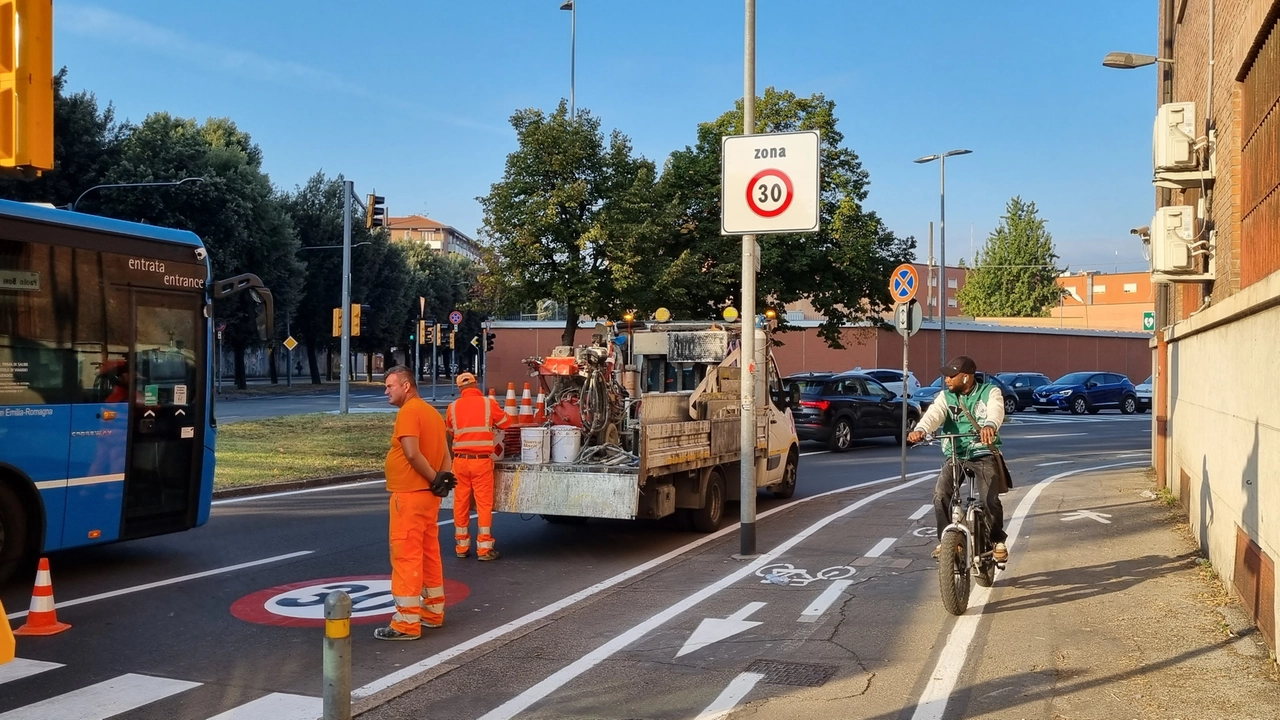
{"type": "Point", "coordinates": [1112, 620]}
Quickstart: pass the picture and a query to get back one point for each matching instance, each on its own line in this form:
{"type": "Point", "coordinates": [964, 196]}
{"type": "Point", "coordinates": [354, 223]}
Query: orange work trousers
{"type": "Point", "coordinates": [475, 479]}
{"type": "Point", "coordinates": [417, 575]}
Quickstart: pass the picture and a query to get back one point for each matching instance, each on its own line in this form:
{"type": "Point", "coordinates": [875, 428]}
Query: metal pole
{"type": "Point", "coordinates": [435, 344]}
{"type": "Point", "coordinates": [747, 374]}
{"type": "Point", "coordinates": [928, 308]}
{"type": "Point", "coordinates": [943, 304]}
{"type": "Point", "coordinates": [573, 57]}
{"type": "Point", "coordinates": [288, 356]}
{"type": "Point", "coordinates": [906, 341]}
{"type": "Point", "coordinates": [337, 656]}
{"type": "Point", "coordinates": [417, 353]}
{"type": "Point", "coordinates": [344, 385]}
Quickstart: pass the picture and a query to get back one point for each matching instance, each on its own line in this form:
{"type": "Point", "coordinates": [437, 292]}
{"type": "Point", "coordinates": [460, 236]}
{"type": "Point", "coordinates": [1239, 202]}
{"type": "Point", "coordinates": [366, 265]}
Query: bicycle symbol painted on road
{"type": "Point", "coordinates": [788, 574]}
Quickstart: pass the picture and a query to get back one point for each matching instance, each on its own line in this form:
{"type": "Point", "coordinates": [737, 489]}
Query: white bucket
{"type": "Point", "coordinates": [566, 441]}
{"type": "Point", "coordinates": [535, 445]}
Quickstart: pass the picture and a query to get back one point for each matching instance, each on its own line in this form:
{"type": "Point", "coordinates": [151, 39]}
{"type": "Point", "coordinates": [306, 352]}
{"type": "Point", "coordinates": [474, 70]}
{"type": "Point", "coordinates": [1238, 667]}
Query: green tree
{"type": "Point", "coordinates": [1015, 272]}
{"type": "Point", "coordinates": [841, 270]}
{"type": "Point", "coordinates": [559, 214]}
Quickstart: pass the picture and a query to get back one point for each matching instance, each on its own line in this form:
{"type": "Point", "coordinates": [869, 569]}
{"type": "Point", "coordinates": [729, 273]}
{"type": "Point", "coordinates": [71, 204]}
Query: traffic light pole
{"type": "Point", "coordinates": [344, 384]}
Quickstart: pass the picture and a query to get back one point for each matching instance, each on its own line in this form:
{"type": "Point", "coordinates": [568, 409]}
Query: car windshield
{"type": "Point", "coordinates": [810, 387]}
{"type": "Point", "coordinates": [1007, 377]}
{"type": "Point", "coordinates": [1074, 378]}
{"type": "Point", "coordinates": [936, 383]}
{"type": "Point", "coordinates": [1148, 380]}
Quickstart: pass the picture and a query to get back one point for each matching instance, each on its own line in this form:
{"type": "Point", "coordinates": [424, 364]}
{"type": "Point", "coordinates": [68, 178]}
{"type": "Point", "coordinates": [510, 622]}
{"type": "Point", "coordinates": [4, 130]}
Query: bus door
{"type": "Point", "coordinates": [166, 413]}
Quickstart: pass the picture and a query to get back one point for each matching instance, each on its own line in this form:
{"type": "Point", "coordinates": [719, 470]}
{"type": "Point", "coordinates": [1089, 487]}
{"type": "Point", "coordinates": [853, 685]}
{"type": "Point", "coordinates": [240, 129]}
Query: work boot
{"type": "Point", "coordinates": [491, 555]}
{"type": "Point", "coordinates": [1000, 553]}
{"type": "Point", "coordinates": [462, 554]}
{"type": "Point", "coordinates": [389, 633]}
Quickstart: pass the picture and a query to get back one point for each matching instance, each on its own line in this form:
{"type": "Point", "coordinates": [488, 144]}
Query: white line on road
{"type": "Point", "coordinates": [287, 493]}
{"type": "Point", "coordinates": [924, 510]}
{"type": "Point", "coordinates": [713, 630]}
{"type": "Point", "coordinates": [880, 547]}
{"type": "Point", "coordinates": [102, 700]}
{"type": "Point", "coordinates": [558, 679]}
{"type": "Point", "coordinates": [277, 706]}
{"type": "Point", "coordinates": [1028, 437]}
{"type": "Point", "coordinates": [824, 601]}
{"type": "Point", "coordinates": [1134, 455]}
{"type": "Point", "coordinates": [816, 452]}
{"type": "Point", "coordinates": [1056, 462]}
{"type": "Point", "coordinates": [19, 668]}
{"type": "Point", "coordinates": [933, 701]}
{"type": "Point", "coordinates": [444, 656]}
{"type": "Point", "coordinates": [730, 697]}
{"type": "Point", "coordinates": [170, 581]}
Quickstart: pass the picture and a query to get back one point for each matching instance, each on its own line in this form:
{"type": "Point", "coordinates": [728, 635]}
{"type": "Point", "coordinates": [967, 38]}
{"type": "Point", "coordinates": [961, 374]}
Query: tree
{"type": "Point", "coordinates": [841, 270]}
{"type": "Point", "coordinates": [560, 211]}
{"type": "Point", "coordinates": [1015, 273]}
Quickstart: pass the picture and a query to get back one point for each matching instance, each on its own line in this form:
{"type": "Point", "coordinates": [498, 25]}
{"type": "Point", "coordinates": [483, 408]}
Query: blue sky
{"type": "Point", "coordinates": [412, 97]}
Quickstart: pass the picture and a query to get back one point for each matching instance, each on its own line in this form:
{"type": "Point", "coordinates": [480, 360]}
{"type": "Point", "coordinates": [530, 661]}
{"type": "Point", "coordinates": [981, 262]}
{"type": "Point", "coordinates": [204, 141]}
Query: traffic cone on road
{"type": "Point", "coordinates": [42, 619]}
{"type": "Point", "coordinates": [526, 407]}
{"type": "Point", "coordinates": [493, 395]}
{"type": "Point", "coordinates": [510, 407]}
{"type": "Point", "coordinates": [540, 410]}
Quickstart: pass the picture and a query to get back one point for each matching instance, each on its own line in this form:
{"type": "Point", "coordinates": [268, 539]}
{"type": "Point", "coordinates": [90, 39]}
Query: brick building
{"type": "Point", "coordinates": [1218, 449]}
{"type": "Point", "coordinates": [442, 238]}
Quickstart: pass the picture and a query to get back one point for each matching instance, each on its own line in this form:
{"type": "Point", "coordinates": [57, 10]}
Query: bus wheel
{"type": "Point", "coordinates": [13, 533]}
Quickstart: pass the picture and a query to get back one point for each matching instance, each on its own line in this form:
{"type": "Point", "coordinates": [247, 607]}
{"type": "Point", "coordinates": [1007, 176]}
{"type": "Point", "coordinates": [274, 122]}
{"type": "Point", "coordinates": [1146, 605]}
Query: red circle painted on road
{"type": "Point", "coordinates": [786, 201]}
{"type": "Point", "coordinates": [301, 604]}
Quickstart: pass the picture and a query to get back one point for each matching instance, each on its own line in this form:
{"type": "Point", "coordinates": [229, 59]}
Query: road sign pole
{"type": "Point", "coordinates": [747, 359]}
{"type": "Point", "coordinates": [288, 357]}
{"type": "Point", "coordinates": [906, 385]}
{"type": "Point", "coordinates": [344, 384]}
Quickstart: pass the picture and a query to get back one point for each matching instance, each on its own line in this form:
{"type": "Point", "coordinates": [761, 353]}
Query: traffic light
{"type": "Point", "coordinates": [422, 332]}
{"type": "Point", "coordinates": [26, 85]}
{"type": "Point", "coordinates": [488, 342]}
{"type": "Point", "coordinates": [356, 320]}
{"type": "Point", "coordinates": [435, 340]}
{"type": "Point", "coordinates": [374, 213]}
{"type": "Point", "coordinates": [451, 337]}
{"type": "Point", "coordinates": [337, 322]}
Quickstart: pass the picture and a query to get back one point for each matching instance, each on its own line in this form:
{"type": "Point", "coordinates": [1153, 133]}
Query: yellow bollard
{"type": "Point", "coordinates": [7, 643]}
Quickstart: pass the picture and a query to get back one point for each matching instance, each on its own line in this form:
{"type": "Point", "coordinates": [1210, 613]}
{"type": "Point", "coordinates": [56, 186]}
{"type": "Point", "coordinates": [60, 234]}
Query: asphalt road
{"type": "Point", "coordinates": [602, 620]}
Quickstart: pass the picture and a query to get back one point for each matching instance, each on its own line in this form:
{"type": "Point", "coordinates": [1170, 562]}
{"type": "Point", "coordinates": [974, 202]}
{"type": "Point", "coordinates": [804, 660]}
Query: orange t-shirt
{"type": "Point", "coordinates": [415, 419]}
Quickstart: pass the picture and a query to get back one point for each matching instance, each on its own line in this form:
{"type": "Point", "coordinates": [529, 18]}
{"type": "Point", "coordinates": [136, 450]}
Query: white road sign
{"type": "Point", "coordinates": [769, 183]}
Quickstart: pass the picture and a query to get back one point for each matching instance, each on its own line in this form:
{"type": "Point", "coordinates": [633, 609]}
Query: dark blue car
{"type": "Point", "coordinates": [926, 395]}
{"type": "Point", "coordinates": [1082, 392]}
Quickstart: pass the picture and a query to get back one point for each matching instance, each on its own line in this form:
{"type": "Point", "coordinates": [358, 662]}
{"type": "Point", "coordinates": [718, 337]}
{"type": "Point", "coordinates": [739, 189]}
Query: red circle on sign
{"type": "Point", "coordinates": [896, 280]}
{"type": "Point", "coordinates": [253, 607]}
{"type": "Point", "coordinates": [786, 201]}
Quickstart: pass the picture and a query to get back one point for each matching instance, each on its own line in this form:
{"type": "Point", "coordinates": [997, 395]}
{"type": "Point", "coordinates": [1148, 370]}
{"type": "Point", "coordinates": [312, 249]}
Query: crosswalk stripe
{"type": "Point", "coordinates": [277, 706]}
{"type": "Point", "coordinates": [103, 700]}
{"type": "Point", "coordinates": [19, 668]}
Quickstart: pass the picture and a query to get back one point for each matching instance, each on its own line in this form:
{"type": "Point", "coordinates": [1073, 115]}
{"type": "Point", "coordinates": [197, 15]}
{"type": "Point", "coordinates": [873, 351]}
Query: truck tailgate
{"type": "Point", "coordinates": [562, 489]}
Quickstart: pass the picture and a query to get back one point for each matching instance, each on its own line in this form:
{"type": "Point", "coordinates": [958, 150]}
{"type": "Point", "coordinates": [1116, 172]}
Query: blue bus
{"type": "Point", "coordinates": [106, 424]}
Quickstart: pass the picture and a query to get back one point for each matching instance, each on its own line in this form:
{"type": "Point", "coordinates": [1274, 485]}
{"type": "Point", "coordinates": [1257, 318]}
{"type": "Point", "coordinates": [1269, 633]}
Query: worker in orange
{"type": "Point", "coordinates": [471, 421]}
{"type": "Point", "coordinates": [418, 476]}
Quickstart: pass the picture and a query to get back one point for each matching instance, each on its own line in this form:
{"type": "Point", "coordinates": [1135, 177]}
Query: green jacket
{"type": "Point", "coordinates": [985, 402]}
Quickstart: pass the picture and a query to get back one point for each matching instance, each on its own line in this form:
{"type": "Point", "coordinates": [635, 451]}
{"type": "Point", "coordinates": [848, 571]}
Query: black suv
{"type": "Point", "coordinates": [1023, 385]}
{"type": "Point", "coordinates": [837, 409]}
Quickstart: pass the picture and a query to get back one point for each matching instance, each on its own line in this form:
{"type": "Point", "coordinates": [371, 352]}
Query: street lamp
{"type": "Point", "coordinates": [942, 245]}
{"type": "Point", "coordinates": [72, 206]}
{"type": "Point", "coordinates": [572, 7]}
{"type": "Point", "coordinates": [1128, 61]}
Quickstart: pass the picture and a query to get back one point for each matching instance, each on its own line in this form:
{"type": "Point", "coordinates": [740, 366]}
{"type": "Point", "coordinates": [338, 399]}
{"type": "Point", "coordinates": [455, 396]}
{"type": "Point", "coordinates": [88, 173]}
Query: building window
{"type": "Point", "coordinates": [951, 302]}
{"type": "Point", "coordinates": [933, 281]}
{"type": "Point", "coordinates": [1131, 287]}
{"type": "Point", "coordinates": [951, 283]}
{"type": "Point", "coordinates": [1099, 289]}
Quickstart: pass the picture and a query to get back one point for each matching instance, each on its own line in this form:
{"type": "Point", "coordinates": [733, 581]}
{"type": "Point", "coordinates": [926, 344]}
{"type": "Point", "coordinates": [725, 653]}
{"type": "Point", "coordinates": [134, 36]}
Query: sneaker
{"type": "Point", "coordinates": [1000, 553]}
{"type": "Point", "coordinates": [937, 550]}
{"type": "Point", "coordinates": [388, 633]}
{"type": "Point", "coordinates": [491, 555]}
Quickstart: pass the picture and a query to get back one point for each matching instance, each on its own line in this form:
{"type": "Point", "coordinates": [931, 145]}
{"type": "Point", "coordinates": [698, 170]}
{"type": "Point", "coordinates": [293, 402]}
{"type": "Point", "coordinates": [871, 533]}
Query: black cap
{"type": "Point", "coordinates": [959, 364]}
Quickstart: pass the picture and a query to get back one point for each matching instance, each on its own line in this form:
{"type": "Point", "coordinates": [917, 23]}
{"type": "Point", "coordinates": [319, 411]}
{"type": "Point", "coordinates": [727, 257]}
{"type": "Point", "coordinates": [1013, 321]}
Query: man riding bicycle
{"type": "Point", "coordinates": [968, 407]}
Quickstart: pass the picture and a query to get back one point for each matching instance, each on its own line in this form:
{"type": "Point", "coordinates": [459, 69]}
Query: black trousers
{"type": "Point", "coordinates": [985, 470]}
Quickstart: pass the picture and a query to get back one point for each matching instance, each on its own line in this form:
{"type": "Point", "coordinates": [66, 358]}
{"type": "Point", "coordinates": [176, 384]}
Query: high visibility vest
{"type": "Point", "coordinates": [472, 432]}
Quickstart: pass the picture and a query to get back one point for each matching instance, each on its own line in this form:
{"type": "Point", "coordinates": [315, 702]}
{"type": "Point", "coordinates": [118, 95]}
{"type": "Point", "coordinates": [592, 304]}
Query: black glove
{"type": "Point", "coordinates": [443, 484]}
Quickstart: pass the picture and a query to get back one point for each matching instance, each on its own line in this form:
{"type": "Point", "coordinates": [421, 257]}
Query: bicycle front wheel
{"type": "Point", "coordinates": [953, 572]}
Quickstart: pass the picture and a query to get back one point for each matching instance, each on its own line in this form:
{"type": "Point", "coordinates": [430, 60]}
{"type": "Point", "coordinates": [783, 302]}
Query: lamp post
{"type": "Point", "coordinates": [174, 183]}
{"type": "Point", "coordinates": [572, 7]}
{"type": "Point", "coordinates": [344, 383]}
{"type": "Point", "coordinates": [942, 245]}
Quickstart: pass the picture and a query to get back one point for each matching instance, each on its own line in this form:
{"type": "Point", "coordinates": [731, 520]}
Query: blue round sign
{"type": "Point", "coordinates": [455, 317]}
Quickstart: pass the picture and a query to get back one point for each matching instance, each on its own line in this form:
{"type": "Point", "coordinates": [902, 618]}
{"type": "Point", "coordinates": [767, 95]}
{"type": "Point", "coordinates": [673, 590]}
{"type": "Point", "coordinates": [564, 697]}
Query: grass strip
{"type": "Point", "coordinates": [297, 447]}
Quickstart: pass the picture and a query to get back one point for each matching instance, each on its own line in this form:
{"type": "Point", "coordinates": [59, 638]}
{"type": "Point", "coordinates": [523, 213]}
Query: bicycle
{"type": "Point", "coordinates": [965, 547]}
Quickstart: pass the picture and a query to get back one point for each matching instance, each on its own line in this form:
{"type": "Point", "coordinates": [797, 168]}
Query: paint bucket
{"type": "Point", "coordinates": [566, 441]}
{"type": "Point", "coordinates": [535, 445]}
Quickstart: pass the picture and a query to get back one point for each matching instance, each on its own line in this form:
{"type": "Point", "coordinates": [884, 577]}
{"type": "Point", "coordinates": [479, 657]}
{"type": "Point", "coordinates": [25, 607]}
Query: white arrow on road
{"type": "Point", "coordinates": [1087, 514]}
{"type": "Point", "coordinates": [713, 630]}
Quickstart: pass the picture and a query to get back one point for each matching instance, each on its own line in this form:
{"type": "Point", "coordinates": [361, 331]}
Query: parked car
{"type": "Point", "coordinates": [1023, 385]}
{"type": "Point", "coordinates": [1082, 392]}
{"type": "Point", "coordinates": [837, 409]}
{"type": "Point", "coordinates": [1143, 390]}
{"type": "Point", "coordinates": [892, 379]}
{"type": "Point", "coordinates": [926, 394]}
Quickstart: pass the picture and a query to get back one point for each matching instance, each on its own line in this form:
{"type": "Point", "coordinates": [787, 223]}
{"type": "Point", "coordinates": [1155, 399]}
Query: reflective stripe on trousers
{"type": "Point", "coordinates": [433, 606]}
{"type": "Point", "coordinates": [415, 556]}
{"type": "Point", "coordinates": [461, 541]}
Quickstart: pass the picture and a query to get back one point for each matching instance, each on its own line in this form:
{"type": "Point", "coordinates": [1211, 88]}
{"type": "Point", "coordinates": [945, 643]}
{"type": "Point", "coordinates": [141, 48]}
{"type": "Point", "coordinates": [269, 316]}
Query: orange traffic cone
{"type": "Point", "coordinates": [492, 395]}
{"type": "Point", "coordinates": [526, 407]}
{"type": "Point", "coordinates": [540, 410]}
{"type": "Point", "coordinates": [510, 407]}
{"type": "Point", "coordinates": [42, 619]}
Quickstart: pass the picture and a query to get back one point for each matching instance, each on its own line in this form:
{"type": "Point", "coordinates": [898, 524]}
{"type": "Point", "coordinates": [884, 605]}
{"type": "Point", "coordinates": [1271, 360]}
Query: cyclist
{"type": "Point", "coordinates": [962, 404]}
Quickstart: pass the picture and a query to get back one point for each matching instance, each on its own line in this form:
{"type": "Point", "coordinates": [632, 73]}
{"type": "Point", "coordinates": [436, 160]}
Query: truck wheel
{"type": "Point", "coordinates": [708, 518]}
{"type": "Point", "coordinates": [785, 489]}
{"type": "Point", "coordinates": [13, 533]}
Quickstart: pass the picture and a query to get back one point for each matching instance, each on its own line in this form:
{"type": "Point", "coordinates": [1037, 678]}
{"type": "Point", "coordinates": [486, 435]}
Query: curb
{"type": "Point", "coordinates": [268, 488]}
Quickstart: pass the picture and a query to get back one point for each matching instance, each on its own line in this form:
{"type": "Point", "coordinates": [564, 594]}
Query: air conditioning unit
{"type": "Point", "coordinates": [1173, 240]}
{"type": "Point", "coordinates": [1173, 140]}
